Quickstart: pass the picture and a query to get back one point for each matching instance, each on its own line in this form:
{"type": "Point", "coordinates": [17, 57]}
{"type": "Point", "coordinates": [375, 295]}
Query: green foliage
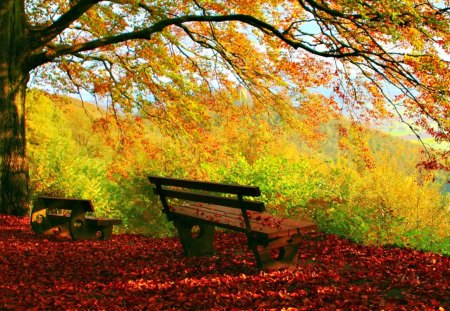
{"type": "Point", "coordinates": [344, 221]}
{"type": "Point", "coordinates": [425, 239]}
{"type": "Point", "coordinates": [364, 225]}
{"type": "Point", "coordinates": [133, 199]}
{"type": "Point", "coordinates": [286, 185]}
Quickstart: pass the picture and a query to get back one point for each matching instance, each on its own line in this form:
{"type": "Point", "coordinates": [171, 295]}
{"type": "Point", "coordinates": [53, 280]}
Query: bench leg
{"type": "Point", "coordinates": [200, 245]}
{"type": "Point", "coordinates": [61, 230]}
{"type": "Point", "coordinates": [80, 229]}
{"type": "Point", "coordinates": [104, 233]}
{"type": "Point", "coordinates": [83, 230]}
{"type": "Point", "coordinates": [278, 253]}
{"type": "Point", "coordinates": [285, 256]}
{"type": "Point", "coordinates": [41, 224]}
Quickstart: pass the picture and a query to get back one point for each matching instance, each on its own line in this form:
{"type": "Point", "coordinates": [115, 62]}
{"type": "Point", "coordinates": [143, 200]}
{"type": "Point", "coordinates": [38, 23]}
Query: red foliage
{"type": "Point", "coordinates": [132, 272]}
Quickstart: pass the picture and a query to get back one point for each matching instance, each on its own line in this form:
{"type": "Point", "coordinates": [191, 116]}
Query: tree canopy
{"type": "Point", "coordinates": [170, 59]}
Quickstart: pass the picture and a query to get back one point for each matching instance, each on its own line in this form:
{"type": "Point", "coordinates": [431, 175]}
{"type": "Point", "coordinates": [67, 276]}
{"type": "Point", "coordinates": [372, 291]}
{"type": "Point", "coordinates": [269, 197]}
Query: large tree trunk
{"type": "Point", "coordinates": [14, 180]}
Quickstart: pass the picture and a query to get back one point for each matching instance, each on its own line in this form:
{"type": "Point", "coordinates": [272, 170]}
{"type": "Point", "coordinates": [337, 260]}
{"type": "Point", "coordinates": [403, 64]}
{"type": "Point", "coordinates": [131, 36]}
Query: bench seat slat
{"type": "Point", "coordinates": [59, 219]}
{"type": "Point", "coordinates": [266, 227]}
{"type": "Point", "coordinates": [255, 218]}
{"type": "Point", "coordinates": [205, 198]}
{"type": "Point", "coordinates": [252, 215]}
{"type": "Point", "coordinates": [64, 203]}
{"type": "Point", "coordinates": [103, 221]}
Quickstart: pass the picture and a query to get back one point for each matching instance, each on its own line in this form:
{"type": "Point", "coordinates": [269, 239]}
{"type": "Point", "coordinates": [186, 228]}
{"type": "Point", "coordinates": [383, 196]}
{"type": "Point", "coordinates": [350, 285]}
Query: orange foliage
{"type": "Point", "coordinates": [177, 62]}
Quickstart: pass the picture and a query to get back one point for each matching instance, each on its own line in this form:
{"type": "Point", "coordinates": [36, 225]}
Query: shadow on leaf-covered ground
{"type": "Point", "coordinates": [131, 272]}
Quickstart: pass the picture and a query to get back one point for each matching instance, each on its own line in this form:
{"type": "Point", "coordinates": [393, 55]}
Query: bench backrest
{"type": "Point", "coordinates": [163, 188]}
{"type": "Point", "coordinates": [63, 203]}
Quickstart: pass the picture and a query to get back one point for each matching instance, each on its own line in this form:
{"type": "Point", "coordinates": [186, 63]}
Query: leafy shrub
{"type": "Point", "coordinates": [286, 184]}
{"type": "Point", "coordinates": [384, 206]}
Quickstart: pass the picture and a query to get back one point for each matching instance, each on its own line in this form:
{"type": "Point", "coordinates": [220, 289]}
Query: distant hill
{"type": "Point", "coordinates": [388, 140]}
{"type": "Point", "coordinates": [402, 131]}
{"type": "Point", "coordinates": [70, 105]}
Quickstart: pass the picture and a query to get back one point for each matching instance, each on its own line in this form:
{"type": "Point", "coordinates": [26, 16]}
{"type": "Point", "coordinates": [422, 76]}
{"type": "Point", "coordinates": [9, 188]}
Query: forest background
{"type": "Point", "coordinates": [353, 181]}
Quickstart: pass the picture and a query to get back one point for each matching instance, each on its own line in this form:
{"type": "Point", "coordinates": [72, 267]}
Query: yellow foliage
{"type": "Point", "coordinates": [390, 193]}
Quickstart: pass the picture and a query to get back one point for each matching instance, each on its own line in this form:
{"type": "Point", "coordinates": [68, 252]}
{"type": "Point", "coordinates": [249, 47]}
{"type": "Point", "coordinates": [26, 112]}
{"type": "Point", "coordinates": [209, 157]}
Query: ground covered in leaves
{"type": "Point", "coordinates": [131, 272]}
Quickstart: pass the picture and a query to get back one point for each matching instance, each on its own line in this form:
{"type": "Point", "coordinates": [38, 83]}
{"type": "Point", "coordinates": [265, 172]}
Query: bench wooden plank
{"type": "Point", "coordinates": [63, 203]}
{"type": "Point", "coordinates": [205, 198]}
{"type": "Point", "coordinates": [205, 185]}
{"type": "Point", "coordinates": [103, 221]}
{"type": "Point", "coordinates": [254, 216]}
{"type": "Point", "coordinates": [58, 219]}
{"type": "Point", "coordinates": [266, 223]}
{"type": "Point", "coordinates": [263, 225]}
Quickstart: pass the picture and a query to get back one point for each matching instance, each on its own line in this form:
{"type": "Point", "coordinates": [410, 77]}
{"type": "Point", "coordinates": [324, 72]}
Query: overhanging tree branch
{"type": "Point", "coordinates": [334, 41]}
{"type": "Point", "coordinates": [57, 51]}
{"type": "Point", "coordinates": [40, 37]}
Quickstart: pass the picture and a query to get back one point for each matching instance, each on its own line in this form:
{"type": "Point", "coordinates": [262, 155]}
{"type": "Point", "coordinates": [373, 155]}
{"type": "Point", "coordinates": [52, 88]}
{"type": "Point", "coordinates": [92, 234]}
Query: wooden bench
{"type": "Point", "coordinates": [67, 217]}
{"type": "Point", "coordinates": [196, 205]}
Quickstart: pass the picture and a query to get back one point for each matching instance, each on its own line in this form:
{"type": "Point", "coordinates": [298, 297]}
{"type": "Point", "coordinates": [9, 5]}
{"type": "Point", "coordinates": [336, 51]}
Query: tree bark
{"type": "Point", "coordinates": [14, 180]}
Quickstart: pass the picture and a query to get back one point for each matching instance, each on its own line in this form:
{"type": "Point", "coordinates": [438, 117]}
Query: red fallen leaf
{"type": "Point", "coordinates": [147, 273]}
{"type": "Point", "coordinates": [435, 303]}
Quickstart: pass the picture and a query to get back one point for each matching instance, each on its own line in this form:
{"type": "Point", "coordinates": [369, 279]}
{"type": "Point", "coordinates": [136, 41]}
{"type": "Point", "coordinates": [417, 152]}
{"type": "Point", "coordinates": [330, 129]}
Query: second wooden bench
{"type": "Point", "coordinates": [67, 217]}
{"type": "Point", "coordinates": [191, 204]}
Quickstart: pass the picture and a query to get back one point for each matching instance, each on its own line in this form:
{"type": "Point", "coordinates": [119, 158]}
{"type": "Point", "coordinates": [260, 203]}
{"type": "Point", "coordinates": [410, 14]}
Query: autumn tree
{"type": "Point", "coordinates": [162, 57]}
